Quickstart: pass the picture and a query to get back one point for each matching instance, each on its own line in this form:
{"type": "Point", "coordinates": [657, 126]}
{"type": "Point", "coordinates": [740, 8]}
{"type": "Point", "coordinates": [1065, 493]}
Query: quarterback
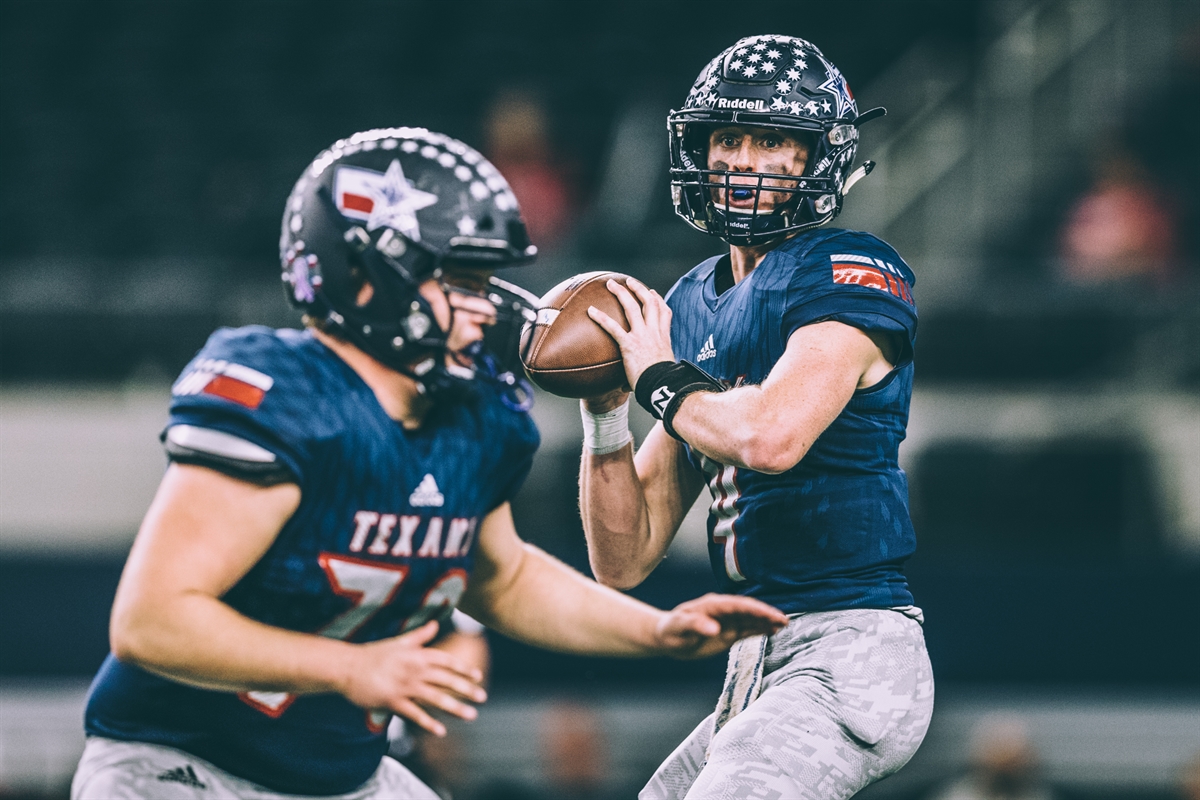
{"type": "Point", "coordinates": [791, 404]}
{"type": "Point", "coordinates": [335, 493]}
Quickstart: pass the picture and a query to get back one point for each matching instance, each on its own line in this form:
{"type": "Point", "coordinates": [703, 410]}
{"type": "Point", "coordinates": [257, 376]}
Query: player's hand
{"type": "Point", "coordinates": [648, 340]}
{"type": "Point", "coordinates": [404, 676]}
{"type": "Point", "coordinates": [711, 624]}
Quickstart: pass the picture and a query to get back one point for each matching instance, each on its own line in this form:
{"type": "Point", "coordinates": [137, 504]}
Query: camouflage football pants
{"type": "Point", "coordinates": [833, 702]}
{"type": "Point", "coordinates": [113, 770]}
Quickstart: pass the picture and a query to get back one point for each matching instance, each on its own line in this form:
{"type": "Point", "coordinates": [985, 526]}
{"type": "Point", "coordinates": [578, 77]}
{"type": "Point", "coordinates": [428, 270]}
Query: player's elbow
{"type": "Point", "coordinates": [622, 560]}
{"type": "Point", "coordinates": [130, 633]}
{"type": "Point", "coordinates": [618, 576]}
{"type": "Point", "coordinates": [125, 640]}
{"type": "Point", "coordinates": [772, 454]}
{"type": "Point", "coordinates": [623, 583]}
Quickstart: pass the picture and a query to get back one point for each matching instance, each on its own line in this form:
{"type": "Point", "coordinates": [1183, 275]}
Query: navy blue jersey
{"type": "Point", "coordinates": [832, 532]}
{"type": "Point", "coordinates": [380, 543]}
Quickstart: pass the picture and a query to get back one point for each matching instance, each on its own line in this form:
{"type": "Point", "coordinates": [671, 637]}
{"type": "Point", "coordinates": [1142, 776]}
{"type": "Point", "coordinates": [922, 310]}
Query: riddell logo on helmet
{"type": "Point", "coordinates": [750, 104]}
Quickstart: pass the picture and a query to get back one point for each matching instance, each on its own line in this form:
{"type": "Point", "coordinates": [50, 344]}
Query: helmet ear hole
{"type": "Point", "coordinates": [518, 234]}
{"type": "Point", "coordinates": [364, 294]}
{"type": "Point", "coordinates": [358, 285]}
{"type": "Point", "coordinates": [486, 223]}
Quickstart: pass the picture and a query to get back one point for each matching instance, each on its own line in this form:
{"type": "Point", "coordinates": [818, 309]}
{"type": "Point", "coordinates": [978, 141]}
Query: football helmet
{"type": "Point", "coordinates": [391, 207]}
{"type": "Point", "coordinates": [774, 82]}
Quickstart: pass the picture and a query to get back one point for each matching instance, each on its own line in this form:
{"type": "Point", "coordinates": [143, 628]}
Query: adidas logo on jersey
{"type": "Point", "coordinates": [185, 775]}
{"type": "Point", "coordinates": [426, 494]}
{"type": "Point", "coordinates": [708, 351]}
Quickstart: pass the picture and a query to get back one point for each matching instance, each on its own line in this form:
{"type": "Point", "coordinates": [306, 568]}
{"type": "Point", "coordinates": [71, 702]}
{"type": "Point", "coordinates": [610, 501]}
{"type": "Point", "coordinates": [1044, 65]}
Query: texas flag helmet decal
{"type": "Point", "coordinates": [381, 199]}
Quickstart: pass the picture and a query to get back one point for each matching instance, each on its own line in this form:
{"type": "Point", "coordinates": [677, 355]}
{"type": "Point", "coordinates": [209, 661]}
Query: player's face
{"type": "Point", "coordinates": [462, 290]}
{"type": "Point", "coordinates": [746, 148]}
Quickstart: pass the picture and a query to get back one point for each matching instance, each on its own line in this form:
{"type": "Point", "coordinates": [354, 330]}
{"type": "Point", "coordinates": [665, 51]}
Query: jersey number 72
{"type": "Point", "coordinates": [371, 586]}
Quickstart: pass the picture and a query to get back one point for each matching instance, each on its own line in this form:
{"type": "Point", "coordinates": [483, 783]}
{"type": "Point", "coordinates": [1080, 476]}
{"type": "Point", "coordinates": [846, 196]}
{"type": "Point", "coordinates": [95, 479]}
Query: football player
{"type": "Point", "coordinates": [334, 493]}
{"type": "Point", "coordinates": [790, 404]}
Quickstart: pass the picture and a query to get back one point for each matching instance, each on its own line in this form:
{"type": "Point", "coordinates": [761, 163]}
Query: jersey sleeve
{"type": "Point", "coordinates": [858, 280]}
{"type": "Point", "coordinates": [238, 408]}
{"type": "Point", "coordinates": [516, 458]}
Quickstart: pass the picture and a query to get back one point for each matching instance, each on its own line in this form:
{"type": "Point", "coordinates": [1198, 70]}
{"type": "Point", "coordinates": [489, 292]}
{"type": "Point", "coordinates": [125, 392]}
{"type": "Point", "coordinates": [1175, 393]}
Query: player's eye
{"type": "Point", "coordinates": [772, 141]}
{"type": "Point", "coordinates": [726, 139]}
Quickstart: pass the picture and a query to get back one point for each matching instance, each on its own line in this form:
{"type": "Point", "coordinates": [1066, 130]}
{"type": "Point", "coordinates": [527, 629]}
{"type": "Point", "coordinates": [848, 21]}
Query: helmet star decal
{"type": "Point", "coordinates": [385, 199]}
{"type": "Point", "coordinates": [836, 85]}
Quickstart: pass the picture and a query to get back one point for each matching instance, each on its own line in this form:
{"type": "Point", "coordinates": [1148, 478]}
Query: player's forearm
{"type": "Point", "coordinates": [738, 428]}
{"type": "Point", "coordinates": [616, 520]}
{"type": "Point", "coordinates": [550, 605]}
{"type": "Point", "coordinates": [201, 641]}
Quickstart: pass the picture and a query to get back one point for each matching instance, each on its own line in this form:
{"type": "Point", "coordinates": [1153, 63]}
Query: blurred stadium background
{"type": "Point", "coordinates": [1038, 168]}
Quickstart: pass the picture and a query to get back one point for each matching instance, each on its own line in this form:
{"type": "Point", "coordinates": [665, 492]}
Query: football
{"type": "Point", "coordinates": [565, 352]}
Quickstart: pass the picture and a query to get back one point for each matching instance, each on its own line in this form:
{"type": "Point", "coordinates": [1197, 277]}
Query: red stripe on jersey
{"type": "Point", "coordinates": [357, 202]}
{"type": "Point", "coordinates": [235, 391]}
{"type": "Point", "coordinates": [861, 275]}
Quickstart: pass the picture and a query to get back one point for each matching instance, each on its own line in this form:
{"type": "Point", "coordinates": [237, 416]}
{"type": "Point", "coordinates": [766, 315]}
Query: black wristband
{"type": "Point", "coordinates": [662, 387]}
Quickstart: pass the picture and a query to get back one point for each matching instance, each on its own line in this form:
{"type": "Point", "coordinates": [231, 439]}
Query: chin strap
{"type": "Point", "coordinates": [863, 171]}
{"type": "Point", "coordinates": [865, 168]}
{"type": "Point", "coordinates": [867, 116]}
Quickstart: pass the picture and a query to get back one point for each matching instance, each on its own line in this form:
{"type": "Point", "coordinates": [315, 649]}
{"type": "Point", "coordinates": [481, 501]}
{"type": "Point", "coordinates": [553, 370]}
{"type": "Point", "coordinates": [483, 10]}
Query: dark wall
{"type": "Point", "coordinates": [133, 128]}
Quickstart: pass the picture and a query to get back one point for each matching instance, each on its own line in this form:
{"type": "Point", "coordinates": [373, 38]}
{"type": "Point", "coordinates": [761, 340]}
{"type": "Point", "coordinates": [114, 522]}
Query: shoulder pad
{"type": "Point", "coordinates": [226, 453]}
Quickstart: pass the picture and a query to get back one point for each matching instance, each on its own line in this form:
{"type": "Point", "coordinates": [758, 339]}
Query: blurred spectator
{"type": "Point", "coordinates": [575, 752]}
{"type": "Point", "coordinates": [438, 761]}
{"type": "Point", "coordinates": [1123, 228]}
{"type": "Point", "coordinates": [1189, 780]}
{"type": "Point", "coordinates": [1004, 765]}
{"type": "Point", "coordinates": [519, 144]}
